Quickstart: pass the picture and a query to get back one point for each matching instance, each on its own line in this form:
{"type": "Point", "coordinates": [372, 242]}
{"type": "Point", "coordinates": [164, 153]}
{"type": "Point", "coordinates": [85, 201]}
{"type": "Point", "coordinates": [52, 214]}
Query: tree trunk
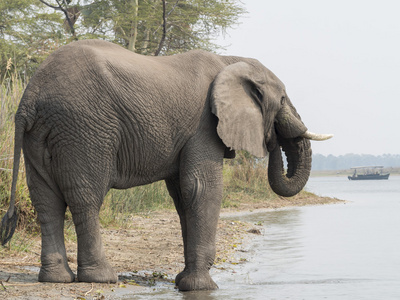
{"type": "Point", "coordinates": [133, 33]}
{"type": "Point", "coordinates": [146, 40]}
{"type": "Point", "coordinates": [164, 34]}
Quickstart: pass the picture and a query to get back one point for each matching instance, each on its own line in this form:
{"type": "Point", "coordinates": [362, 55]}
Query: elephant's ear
{"type": "Point", "coordinates": [234, 102]}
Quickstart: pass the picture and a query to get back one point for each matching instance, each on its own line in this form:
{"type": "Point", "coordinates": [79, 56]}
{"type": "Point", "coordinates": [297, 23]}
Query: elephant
{"type": "Point", "coordinates": [96, 116]}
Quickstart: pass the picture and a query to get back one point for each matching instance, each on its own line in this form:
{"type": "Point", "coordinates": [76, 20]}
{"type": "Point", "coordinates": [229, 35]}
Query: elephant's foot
{"type": "Point", "coordinates": [195, 281]}
{"type": "Point", "coordinates": [56, 273]}
{"type": "Point", "coordinates": [103, 273]}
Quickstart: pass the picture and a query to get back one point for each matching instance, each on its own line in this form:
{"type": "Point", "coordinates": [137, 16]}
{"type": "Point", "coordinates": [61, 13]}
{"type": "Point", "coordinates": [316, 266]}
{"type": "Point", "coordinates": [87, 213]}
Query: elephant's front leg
{"type": "Point", "coordinates": [198, 204]}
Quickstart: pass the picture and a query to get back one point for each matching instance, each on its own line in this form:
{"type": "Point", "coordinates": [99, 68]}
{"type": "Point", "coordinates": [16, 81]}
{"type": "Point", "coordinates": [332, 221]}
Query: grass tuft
{"type": "Point", "coordinates": [120, 205]}
{"type": "Point", "coordinates": [246, 180]}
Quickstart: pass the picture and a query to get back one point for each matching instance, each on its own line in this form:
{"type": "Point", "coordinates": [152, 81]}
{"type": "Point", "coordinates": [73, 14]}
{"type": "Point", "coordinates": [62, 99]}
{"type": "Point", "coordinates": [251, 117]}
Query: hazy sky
{"type": "Point", "coordinates": [340, 62]}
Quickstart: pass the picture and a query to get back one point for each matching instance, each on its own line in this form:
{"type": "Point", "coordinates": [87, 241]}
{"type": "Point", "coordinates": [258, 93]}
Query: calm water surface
{"type": "Point", "coordinates": [342, 251]}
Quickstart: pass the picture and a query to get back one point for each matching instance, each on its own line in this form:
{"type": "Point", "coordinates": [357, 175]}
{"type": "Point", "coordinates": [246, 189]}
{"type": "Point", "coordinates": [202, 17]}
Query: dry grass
{"type": "Point", "coordinates": [11, 90]}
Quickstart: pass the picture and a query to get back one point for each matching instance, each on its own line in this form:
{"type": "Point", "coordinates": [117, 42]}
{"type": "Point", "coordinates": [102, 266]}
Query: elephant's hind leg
{"type": "Point", "coordinates": [84, 204]}
{"type": "Point", "coordinates": [50, 208]}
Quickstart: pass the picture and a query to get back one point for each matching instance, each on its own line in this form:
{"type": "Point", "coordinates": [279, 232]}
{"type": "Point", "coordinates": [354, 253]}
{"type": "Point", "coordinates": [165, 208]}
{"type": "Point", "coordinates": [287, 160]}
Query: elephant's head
{"type": "Point", "coordinates": [255, 114]}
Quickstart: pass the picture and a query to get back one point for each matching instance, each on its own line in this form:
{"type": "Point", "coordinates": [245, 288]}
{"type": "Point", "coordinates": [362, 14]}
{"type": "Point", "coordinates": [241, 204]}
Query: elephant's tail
{"type": "Point", "coordinates": [9, 221]}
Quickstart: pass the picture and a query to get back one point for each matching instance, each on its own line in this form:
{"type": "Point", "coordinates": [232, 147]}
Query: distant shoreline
{"type": "Point", "coordinates": [344, 173]}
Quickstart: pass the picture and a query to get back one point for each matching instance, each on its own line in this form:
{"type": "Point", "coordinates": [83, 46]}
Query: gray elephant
{"type": "Point", "coordinates": [96, 116]}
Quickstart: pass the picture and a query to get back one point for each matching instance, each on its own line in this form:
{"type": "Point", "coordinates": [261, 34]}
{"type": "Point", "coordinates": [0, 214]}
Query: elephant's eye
{"type": "Point", "coordinates": [283, 100]}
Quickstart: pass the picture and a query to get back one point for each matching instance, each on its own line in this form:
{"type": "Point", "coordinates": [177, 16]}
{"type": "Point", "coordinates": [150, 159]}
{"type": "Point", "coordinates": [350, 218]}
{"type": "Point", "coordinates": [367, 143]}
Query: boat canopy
{"type": "Point", "coordinates": [368, 167]}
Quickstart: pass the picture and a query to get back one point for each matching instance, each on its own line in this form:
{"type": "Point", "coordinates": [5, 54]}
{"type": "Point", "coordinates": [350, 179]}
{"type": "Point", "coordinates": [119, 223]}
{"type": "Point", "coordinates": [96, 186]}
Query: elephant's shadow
{"type": "Point", "coordinates": [18, 277]}
{"type": "Point", "coordinates": [30, 276]}
{"type": "Point", "coordinates": [144, 279]}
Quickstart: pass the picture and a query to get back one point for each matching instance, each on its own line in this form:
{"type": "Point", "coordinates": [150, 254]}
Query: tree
{"type": "Point", "coordinates": [153, 26]}
{"type": "Point", "coordinates": [31, 29]}
{"type": "Point", "coordinates": [27, 34]}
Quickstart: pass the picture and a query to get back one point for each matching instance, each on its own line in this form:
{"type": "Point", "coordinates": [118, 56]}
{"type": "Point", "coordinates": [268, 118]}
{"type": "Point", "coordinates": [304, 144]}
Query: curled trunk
{"type": "Point", "coordinates": [298, 153]}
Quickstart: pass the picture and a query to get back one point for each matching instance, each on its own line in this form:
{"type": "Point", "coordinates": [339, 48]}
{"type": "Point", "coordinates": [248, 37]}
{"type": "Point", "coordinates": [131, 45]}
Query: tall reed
{"type": "Point", "coordinates": [11, 89]}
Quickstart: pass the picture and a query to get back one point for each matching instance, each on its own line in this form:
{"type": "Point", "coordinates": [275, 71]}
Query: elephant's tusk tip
{"type": "Point", "coordinates": [316, 136]}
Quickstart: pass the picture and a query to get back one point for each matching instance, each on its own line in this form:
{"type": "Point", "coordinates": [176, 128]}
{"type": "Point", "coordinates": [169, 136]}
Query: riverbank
{"type": "Point", "coordinates": [148, 250]}
{"type": "Point", "coordinates": [348, 172]}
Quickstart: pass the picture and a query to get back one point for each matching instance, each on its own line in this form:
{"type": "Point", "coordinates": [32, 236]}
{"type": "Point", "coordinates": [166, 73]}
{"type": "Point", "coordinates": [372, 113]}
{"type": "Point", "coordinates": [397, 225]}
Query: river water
{"type": "Point", "coordinates": [340, 251]}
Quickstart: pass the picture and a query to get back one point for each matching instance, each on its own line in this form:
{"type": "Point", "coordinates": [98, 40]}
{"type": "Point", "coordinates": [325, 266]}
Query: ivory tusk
{"type": "Point", "coordinates": [316, 136]}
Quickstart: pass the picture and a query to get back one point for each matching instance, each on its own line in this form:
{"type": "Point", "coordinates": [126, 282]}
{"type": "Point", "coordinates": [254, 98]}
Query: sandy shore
{"type": "Point", "coordinates": [148, 250]}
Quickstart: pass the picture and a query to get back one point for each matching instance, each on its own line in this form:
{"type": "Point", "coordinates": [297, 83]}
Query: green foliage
{"type": "Point", "coordinates": [30, 30]}
{"type": "Point", "coordinates": [138, 25]}
{"type": "Point", "coordinates": [28, 33]}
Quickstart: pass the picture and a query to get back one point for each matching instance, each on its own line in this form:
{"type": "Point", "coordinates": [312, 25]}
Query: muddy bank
{"type": "Point", "coordinates": [147, 251]}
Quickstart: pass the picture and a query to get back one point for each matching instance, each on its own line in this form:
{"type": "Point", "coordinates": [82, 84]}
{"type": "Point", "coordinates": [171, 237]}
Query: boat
{"type": "Point", "coordinates": [369, 173]}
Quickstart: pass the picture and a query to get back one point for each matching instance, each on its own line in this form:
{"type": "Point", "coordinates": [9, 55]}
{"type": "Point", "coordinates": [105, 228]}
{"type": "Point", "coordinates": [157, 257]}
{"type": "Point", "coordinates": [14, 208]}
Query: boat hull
{"type": "Point", "coordinates": [369, 177]}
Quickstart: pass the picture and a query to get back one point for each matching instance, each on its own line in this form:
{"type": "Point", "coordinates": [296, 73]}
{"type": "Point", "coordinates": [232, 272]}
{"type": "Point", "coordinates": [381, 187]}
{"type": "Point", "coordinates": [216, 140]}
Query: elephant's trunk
{"type": "Point", "coordinates": [298, 153]}
{"type": "Point", "coordinates": [289, 133]}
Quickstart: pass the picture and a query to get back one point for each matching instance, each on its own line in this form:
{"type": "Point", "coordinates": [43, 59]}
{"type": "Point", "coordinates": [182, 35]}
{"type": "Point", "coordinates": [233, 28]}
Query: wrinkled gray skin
{"type": "Point", "coordinates": [96, 116]}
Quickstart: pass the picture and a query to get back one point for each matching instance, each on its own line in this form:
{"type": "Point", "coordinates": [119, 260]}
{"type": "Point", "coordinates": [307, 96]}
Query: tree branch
{"type": "Point", "coordinates": [161, 44]}
{"type": "Point", "coordinates": [59, 7]}
{"type": "Point", "coordinates": [49, 5]}
{"type": "Point", "coordinates": [173, 8]}
{"type": "Point", "coordinates": [170, 12]}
